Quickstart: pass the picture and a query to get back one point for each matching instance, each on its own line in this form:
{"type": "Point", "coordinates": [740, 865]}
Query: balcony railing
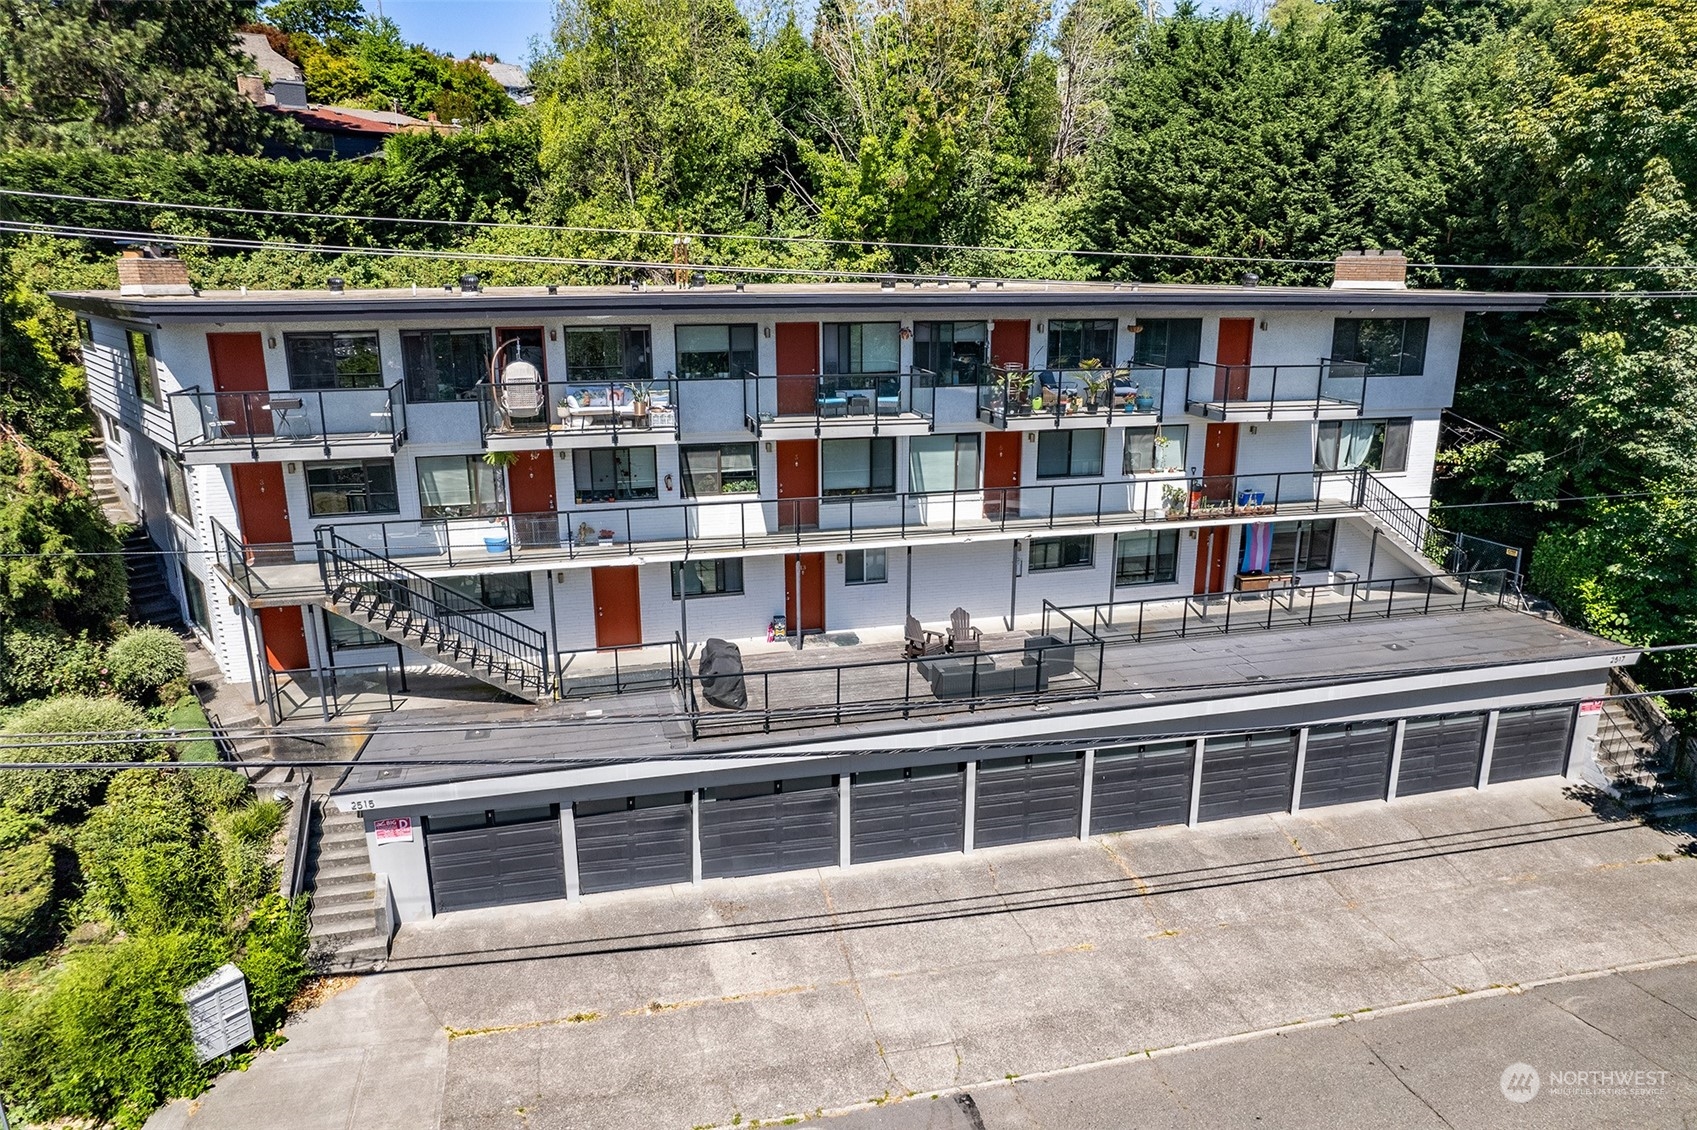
{"type": "Point", "coordinates": [246, 563]}
{"type": "Point", "coordinates": [1329, 388]}
{"type": "Point", "coordinates": [703, 527]}
{"type": "Point", "coordinates": [269, 418]}
{"type": "Point", "coordinates": [837, 400]}
{"type": "Point", "coordinates": [549, 409]}
{"type": "Point", "coordinates": [1014, 397]}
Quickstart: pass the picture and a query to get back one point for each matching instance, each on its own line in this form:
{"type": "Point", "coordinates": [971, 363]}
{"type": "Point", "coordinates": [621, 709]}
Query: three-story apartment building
{"type": "Point", "coordinates": [1018, 520]}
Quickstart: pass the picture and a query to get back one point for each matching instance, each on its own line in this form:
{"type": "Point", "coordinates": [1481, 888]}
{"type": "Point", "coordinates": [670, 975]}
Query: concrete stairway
{"type": "Point", "coordinates": [151, 599]}
{"type": "Point", "coordinates": [105, 489]}
{"type": "Point", "coordinates": [349, 928]}
{"type": "Point", "coordinates": [1639, 769]}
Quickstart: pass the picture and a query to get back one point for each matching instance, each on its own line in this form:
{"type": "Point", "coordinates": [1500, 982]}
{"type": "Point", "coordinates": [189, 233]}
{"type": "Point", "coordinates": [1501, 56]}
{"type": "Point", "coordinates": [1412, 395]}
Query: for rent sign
{"type": "Point", "coordinates": [396, 830]}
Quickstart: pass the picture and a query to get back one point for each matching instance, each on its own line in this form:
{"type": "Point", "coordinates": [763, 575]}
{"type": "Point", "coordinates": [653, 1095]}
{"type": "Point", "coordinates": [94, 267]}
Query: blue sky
{"type": "Point", "coordinates": [456, 27]}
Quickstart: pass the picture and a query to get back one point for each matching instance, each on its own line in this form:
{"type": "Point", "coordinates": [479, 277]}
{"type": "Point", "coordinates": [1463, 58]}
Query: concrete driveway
{"type": "Point", "coordinates": [803, 995]}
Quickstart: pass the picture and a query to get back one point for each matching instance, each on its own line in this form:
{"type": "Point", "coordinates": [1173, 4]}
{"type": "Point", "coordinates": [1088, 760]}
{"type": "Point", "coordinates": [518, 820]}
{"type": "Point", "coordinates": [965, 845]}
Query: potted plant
{"type": "Point", "coordinates": [586, 534]}
{"type": "Point", "coordinates": [607, 536]}
{"type": "Point", "coordinates": [1173, 500]}
{"type": "Point", "coordinates": [642, 396]}
{"type": "Point", "coordinates": [1096, 381]}
{"type": "Point", "coordinates": [1144, 401]}
{"type": "Point", "coordinates": [500, 458]}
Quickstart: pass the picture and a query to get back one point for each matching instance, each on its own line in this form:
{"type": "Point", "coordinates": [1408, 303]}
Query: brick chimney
{"type": "Point", "coordinates": [148, 272]}
{"type": "Point", "coordinates": [252, 87]}
{"type": "Point", "coordinates": [1371, 270]}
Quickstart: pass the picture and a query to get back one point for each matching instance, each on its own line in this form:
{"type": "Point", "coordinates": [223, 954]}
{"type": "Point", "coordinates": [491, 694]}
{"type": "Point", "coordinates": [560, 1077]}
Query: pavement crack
{"type": "Point", "coordinates": [841, 939]}
{"type": "Point", "coordinates": [1403, 1083]}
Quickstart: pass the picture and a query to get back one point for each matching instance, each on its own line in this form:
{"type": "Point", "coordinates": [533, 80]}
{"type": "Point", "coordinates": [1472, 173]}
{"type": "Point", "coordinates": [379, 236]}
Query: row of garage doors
{"type": "Point", "coordinates": [506, 856]}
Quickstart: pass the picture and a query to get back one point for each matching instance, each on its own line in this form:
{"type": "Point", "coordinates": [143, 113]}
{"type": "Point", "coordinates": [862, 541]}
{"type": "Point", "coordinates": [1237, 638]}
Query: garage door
{"type": "Point", "coordinates": [639, 841]}
{"type": "Point", "coordinates": [770, 826]}
{"type": "Point", "coordinates": [900, 812]}
{"type": "Point", "coordinates": [1036, 797]}
{"type": "Point", "coordinates": [1531, 743]}
{"type": "Point", "coordinates": [1440, 753]}
{"type": "Point", "coordinates": [1247, 775]}
{"type": "Point", "coordinates": [1345, 764]}
{"type": "Point", "coordinates": [1141, 786]}
{"type": "Point", "coordinates": [494, 858]}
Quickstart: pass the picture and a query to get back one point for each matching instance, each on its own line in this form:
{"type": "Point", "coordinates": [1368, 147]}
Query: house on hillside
{"type": "Point", "coordinates": [512, 78]}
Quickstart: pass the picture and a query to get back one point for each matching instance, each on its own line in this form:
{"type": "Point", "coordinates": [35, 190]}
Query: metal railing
{"type": "Point", "coordinates": [874, 398]}
{"type": "Point", "coordinates": [1455, 552]}
{"type": "Point", "coordinates": [269, 417]}
{"type": "Point", "coordinates": [299, 842]}
{"type": "Point", "coordinates": [1022, 396]}
{"type": "Point", "coordinates": [580, 677]}
{"type": "Point", "coordinates": [410, 603]}
{"type": "Point", "coordinates": [1294, 605]}
{"type": "Point", "coordinates": [329, 692]}
{"type": "Point", "coordinates": [1225, 389]}
{"type": "Point", "coordinates": [580, 406]}
{"type": "Point", "coordinates": [238, 558]}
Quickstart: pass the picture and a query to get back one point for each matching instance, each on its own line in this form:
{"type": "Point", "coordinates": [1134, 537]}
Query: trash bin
{"type": "Point", "coordinates": [496, 544]}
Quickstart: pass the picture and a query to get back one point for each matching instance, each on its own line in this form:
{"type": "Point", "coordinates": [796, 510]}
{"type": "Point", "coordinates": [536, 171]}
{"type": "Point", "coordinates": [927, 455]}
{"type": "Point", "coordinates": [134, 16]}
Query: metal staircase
{"type": "Point", "coordinates": [411, 609]}
{"type": "Point", "coordinates": [1430, 547]}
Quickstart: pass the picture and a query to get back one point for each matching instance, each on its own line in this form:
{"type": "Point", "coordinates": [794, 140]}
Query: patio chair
{"type": "Point", "coordinates": [923, 641]}
{"type": "Point", "coordinates": [521, 390]}
{"type": "Point", "coordinates": [962, 635]}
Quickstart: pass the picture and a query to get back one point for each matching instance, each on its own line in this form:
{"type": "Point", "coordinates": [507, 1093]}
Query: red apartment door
{"type": "Point", "coordinates": [1213, 544]}
{"type": "Point", "coordinates": [1003, 452]}
{"type": "Point", "coordinates": [1219, 461]}
{"type": "Point", "coordinates": [798, 484]}
{"type": "Point", "coordinates": [530, 490]}
{"type": "Point", "coordinates": [617, 592]}
{"type": "Point", "coordinates": [1237, 340]}
{"type": "Point", "coordinates": [238, 368]}
{"type": "Point", "coordinates": [283, 633]}
{"type": "Point", "coordinates": [798, 357]}
{"type": "Point", "coordinates": [804, 572]}
{"type": "Point", "coordinates": [1010, 344]}
{"type": "Point", "coordinates": [262, 508]}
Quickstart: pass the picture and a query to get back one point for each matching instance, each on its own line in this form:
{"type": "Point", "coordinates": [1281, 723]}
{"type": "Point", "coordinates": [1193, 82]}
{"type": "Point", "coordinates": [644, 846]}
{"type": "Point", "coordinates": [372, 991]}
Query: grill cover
{"type": "Point", "coordinates": [721, 675]}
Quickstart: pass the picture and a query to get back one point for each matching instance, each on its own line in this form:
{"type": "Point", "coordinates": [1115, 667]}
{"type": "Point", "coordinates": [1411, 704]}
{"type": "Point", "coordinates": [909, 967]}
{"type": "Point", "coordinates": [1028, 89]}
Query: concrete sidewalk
{"type": "Point", "coordinates": [795, 995]}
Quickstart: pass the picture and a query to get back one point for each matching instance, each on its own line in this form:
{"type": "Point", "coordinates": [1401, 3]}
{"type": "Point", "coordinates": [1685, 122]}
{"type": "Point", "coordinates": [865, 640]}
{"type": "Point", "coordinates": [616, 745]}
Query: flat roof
{"type": "Point", "coordinates": [622, 301]}
{"type": "Point", "coordinates": [1203, 667]}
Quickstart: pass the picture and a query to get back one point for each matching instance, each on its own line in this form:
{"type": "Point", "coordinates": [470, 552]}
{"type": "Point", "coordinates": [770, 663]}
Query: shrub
{"type": "Point", "coordinates": [219, 790]}
{"type": "Point", "coordinates": [146, 857]}
{"type": "Point", "coordinates": [27, 903]}
{"type": "Point", "coordinates": [107, 1036]}
{"type": "Point", "coordinates": [18, 828]}
{"type": "Point", "coordinates": [67, 793]}
{"type": "Point", "coordinates": [43, 660]}
{"type": "Point", "coordinates": [144, 660]}
{"type": "Point", "coordinates": [244, 846]}
{"type": "Point", "coordinates": [274, 949]}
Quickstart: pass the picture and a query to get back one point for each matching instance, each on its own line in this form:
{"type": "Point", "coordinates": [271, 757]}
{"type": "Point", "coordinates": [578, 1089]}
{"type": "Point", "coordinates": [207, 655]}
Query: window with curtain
{"type": "Point", "coordinates": [1386, 346]}
{"type": "Point", "coordinates": [708, 353]}
{"type": "Point", "coordinates": [1073, 342]}
{"type": "Point", "coordinates": [862, 347]}
{"type": "Point", "coordinates": [1350, 445]}
{"type": "Point", "coordinates": [609, 353]}
{"type": "Point", "coordinates": [444, 365]}
{"type": "Point", "coordinates": [333, 360]}
{"type": "Point", "coordinates": [352, 486]}
{"type": "Point", "coordinates": [955, 351]}
{"type": "Point", "coordinates": [720, 576]}
{"type": "Point", "coordinates": [942, 462]}
{"type": "Point", "coordinates": [1062, 553]}
{"type": "Point", "coordinates": [857, 466]}
{"type": "Point", "coordinates": [1146, 557]}
{"type": "Point", "coordinates": [144, 367]}
{"type": "Point", "coordinates": [712, 469]}
{"type": "Point", "coordinates": [458, 486]}
{"type": "Point", "coordinates": [865, 567]}
{"type": "Point", "coordinates": [496, 590]}
{"type": "Point", "coordinates": [615, 474]}
{"type": "Point", "coordinates": [1300, 547]}
{"type": "Point", "coordinates": [1156, 450]}
{"type": "Point", "coordinates": [1170, 343]}
{"type": "Point", "coordinates": [1065, 455]}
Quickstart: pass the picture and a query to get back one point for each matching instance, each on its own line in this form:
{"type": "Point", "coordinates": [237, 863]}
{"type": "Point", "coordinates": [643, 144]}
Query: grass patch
{"type": "Point", "coordinates": [188, 715]}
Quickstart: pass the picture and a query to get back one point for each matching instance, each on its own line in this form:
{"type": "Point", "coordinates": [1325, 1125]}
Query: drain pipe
{"type": "Point", "coordinates": [1372, 554]}
{"type": "Point", "coordinates": [1013, 586]}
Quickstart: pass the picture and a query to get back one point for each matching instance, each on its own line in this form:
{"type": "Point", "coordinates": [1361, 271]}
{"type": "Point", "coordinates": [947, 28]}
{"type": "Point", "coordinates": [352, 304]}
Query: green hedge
{"type": "Point", "coordinates": [146, 856]}
{"type": "Point", "coordinates": [28, 906]}
{"type": "Point", "coordinates": [143, 660]}
{"type": "Point", "coordinates": [42, 660]}
{"type": "Point", "coordinates": [68, 793]}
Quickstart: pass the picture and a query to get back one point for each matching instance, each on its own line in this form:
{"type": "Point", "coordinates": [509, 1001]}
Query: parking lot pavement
{"type": "Point", "coordinates": [792, 996]}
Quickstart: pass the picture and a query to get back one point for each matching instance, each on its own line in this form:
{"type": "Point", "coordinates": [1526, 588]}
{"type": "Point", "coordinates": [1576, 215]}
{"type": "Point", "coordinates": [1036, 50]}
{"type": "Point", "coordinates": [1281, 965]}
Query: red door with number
{"type": "Point", "coordinates": [263, 508]}
{"type": "Point", "coordinates": [798, 368]}
{"type": "Point", "coordinates": [1237, 341]}
{"type": "Point", "coordinates": [1213, 546]}
{"type": "Point", "coordinates": [798, 484]}
{"type": "Point", "coordinates": [1003, 452]}
{"type": "Point", "coordinates": [1010, 344]}
{"type": "Point", "coordinates": [617, 592]}
{"type": "Point", "coordinates": [804, 573]}
{"type": "Point", "coordinates": [1219, 462]}
{"type": "Point", "coordinates": [238, 376]}
{"type": "Point", "coordinates": [283, 634]}
{"type": "Point", "coordinates": [530, 490]}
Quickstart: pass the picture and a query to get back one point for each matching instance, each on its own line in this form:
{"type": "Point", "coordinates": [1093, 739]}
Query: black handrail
{"type": "Point", "coordinates": [261, 417]}
{"type": "Point", "coordinates": [1277, 382]}
{"type": "Point", "coordinates": [564, 659]}
{"type": "Point", "coordinates": [1444, 547]}
{"type": "Point", "coordinates": [832, 396]}
{"type": "Point", "coordinates": [1024, 394]}
{"type": "Point", "coordinates": [238, 558]}
{"type": "Point", "coordinates": [593, 406]}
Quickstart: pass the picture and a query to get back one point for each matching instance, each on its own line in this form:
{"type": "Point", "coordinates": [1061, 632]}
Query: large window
{"type": "Point", "coordinates": [1299, 547]}
{"type": "Point", "coordinates": [1171, 343]}
{"type": "Point", "coordinates": [144, 366]}
{"type": "Point", "coordinates": [721, 576]}
{"type": "Point", "coordinates": [857, 466]}
{"type": "Point", "coordinates": [1064, 455]}
{"type": "Point", "coordinates": [1062, 553]}
{"type": "Point", "coordinates": [945, 462]}
{"type": "Point", "coordinates": [334, 360]}
{"type": "Point", "coordinates": [497, 590]}
{"type": "Point", "coordinates": [444, 365]}
{"type": "Point", "coordinates": [862, 347]}
{"type": "Point", "coordinates": [194, 595]}
{"type": "Point", "coordinates": [176, 487]}
{"type": "Point", "coordinates": [352, 486]}
{"type": "Point", "coordinates": [1386, 346]}
{"type": "Point", "coordinates": [1156, 450]}
{"type": "Point", "coordinates": [1071, 343]}
{"type": "Point", "coordinates": [1147, 557]}
{"type": "Point", "coordinates": [866, 567]}
{"type": "Point", "coordinates": [712, 469]}
{"type": "Point", "coordinates": [615, 474]}
{"type": "Point", "coordinates": [458, 486]}
{"type": "Point", "coordinates": [1349, 445]}
{"type": "Point", "coordinates": [708, 353]}
{"type": "Point", "coordinates": [955, 351]}
{"type": "Point", "coordinates": [609, 353]}
{"type": "Point", "coordinates": [343, 632]}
